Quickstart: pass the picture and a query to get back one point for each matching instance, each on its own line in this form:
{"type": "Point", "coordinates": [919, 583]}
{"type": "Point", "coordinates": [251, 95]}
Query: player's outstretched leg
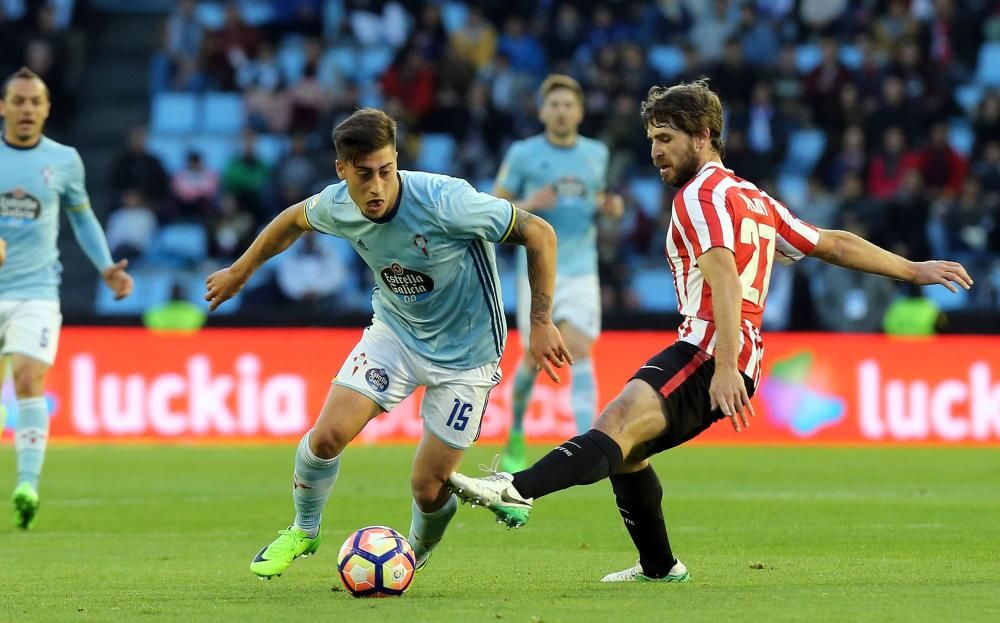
{"type": "Point", "coordinates": [312, 482]}
{"type": "Point", "coordinates": [639, 495]}
{"type": "Point", "coordinates": [497, 493]}
{"type": "Point", "coordinates": [514, 453]}
{"type": "Point", "coordinates": [25, 501]}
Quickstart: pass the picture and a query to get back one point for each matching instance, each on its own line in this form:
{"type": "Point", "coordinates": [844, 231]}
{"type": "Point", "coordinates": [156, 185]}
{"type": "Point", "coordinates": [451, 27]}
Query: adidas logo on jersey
{"type": "Point", "coordinates": [361, 243]}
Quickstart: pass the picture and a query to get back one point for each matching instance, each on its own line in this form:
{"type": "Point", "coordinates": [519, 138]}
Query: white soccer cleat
{"type": "Point", "coordinates": [497, 493]}
{"type": "Point", "coordinates": [677, 573]}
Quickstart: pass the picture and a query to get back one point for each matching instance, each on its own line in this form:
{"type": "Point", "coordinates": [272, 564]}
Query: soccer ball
{"type": "Point", "coordinates": [376, 562]}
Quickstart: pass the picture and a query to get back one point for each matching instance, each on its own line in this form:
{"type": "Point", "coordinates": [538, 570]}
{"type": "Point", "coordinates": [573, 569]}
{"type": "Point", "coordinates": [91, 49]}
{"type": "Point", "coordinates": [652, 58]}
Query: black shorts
{"type": "Point", "coordinates": [682, 374]}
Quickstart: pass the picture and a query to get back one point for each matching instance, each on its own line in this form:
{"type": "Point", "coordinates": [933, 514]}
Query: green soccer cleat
{"type": "Point", "coordinates": [497, 493]}
{"type": "Point", "coordinates": [514, 455]}
{"type": "Point", "coordinates": [26, 504]}
{"type": "Point", "coordinates": [677, 573]}
{"type": "Point", "coordinates": [291, 543]}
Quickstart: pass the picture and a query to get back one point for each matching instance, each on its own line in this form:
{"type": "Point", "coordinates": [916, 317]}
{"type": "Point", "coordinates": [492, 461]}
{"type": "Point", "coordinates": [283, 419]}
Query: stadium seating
{"type": "Point", "coordinates": [648, 194]}
{"type": "Point", "coordinates": [174, 113]}
{"type": "Point", "coordinates": [655, 289]}
{"type": "Point", "coordinates": [152, 287]}
{"type": "Point", "coordinates": [179, 245]}
{"type": "Point", "coordinates": [667, 60]}
{"type": "Point", "coordinates": [222, 112]}
{"type": "Point", "coordinates": [436, 153]}
{"type": "Point", "coordinates": [988, 73]}
{"type": "Point", "coordinates": [805, 147]}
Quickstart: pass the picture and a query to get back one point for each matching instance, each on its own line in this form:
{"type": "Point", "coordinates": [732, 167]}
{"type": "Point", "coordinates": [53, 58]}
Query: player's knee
{"type": "Point", "coordinates": [29, 380]}
{"type": "Point", "coordinates": [327, 443]}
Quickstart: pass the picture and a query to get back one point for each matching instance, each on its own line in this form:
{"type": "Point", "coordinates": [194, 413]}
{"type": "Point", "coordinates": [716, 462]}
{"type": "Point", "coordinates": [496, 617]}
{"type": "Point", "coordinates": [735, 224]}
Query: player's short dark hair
{"type": "Point", "coordinates": [560, 81]}
{"type": "Point", "coordinates": [23, 74]}
{"type": "Point", "coordinates": [689, 107]}
{"type": "Point", "coordinates": [365, 131]}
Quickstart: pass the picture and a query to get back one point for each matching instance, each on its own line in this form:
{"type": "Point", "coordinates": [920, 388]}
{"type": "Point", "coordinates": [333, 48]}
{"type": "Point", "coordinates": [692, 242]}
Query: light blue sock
{"type": "Point", "coordinates": [30, 438]}
{"type": "Point", "coordinates": [311, 485]}
{"type": "Point", "coordinates": [524, 380]}
{"type": "Point", "coordinates": [583, 394]}
{"type": "Point", "coordinates": [426, 529]}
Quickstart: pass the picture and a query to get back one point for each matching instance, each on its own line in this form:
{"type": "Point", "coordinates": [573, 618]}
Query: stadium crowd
{"type": "Point", "coordinates": [877, 116]}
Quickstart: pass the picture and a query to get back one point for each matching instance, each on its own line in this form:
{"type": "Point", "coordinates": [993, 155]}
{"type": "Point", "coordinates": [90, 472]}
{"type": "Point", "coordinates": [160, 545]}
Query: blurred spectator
{"type": "Point", "coordinates": [194, 188]}
{"type": "Point", "coordinates": [820, 207]}
{"type": "Point", "coordinates": [822, 17]}
{"type": "Point", "coordinates": [757, 37]}
{"type": "Point", "coordinates": [411, 81]}
{"type": "Point", "coordinates": [847, 156]}
{"type": "Point", "coordinates": [176, 315]}
{"type": "Point", "coordinates": [895, 25]}
{"type": "Point", "coordinates": [184, 32]}
{"type": "Point", "coordinates": [564, 34]}
{"type": "Point", "coordinates": [130, 228]}
{"type": "Point", "coordinates": [895, 110]}
{"type": "Point", "coordinates": [476, 41]}
{"type": "Point", "coordinates": [823, 84]}
{"type": "Point", "coordinates": [261, 71]}
{"type": "Point", "coordinates": [229, 47]}
{"type": "Point", "coordinates": [522, 48]}
{"type": "Point", "coordinates": [310, 102]}
{"type": "Point", "coordinates": [310, 271]}
{"type": "Point", "coordinates": [943, 168]}
{"type": "Point", "coordinates": [246, 175]}
{"type": "Point", "coordinates": [887, 169]}
{"type": "Point", "coordinates": [767, 129]}
{"type": "Point", "coordinates": [232, 230]}
{"type": "Point", "coordinates": [378, 23]}
{"type": "Point", "coordinates": [904, 226]}
{"type": "Point", "coordinates": [711, 30]}
{"type": "Point", "coordinates": [137, 168]}
{"type": "Point", "coordinates": [986, 122]}
{"type": "Point", "coordinates": [296, 174]}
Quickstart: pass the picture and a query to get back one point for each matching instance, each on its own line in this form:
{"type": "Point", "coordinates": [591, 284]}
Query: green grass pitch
{"type": "Point", "coordinates": [769, 533]}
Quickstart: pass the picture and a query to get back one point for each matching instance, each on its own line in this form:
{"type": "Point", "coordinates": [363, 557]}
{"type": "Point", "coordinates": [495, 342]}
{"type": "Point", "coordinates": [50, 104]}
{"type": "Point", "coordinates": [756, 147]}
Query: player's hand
{"type": "Point", "coordinates": [613, 205]}
{"type": "Point", "coordinates": [117, 279]}
{"type": "Point", "coordinates": [728, 392]}
{"type": "Point", "coordinates": [547, 349]}
{"type": "Point", "coordinates": [942, 272]}
{"type": "Point", "coordinates": [542, 199]}
{"type": "Point", "coordinates": [223, 285]}
{"type": "Point", "coordinates": [3, 251]}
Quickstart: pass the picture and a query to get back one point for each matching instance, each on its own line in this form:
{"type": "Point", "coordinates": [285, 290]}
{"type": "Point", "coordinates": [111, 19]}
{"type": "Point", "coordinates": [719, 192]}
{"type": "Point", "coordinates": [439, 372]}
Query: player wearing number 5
{"type": "Point", "coordinates": [438, 321]}
{"type": "Point", "coordinates": [724, 234]}
{"type": "Point", "coordinates": [38, 178]}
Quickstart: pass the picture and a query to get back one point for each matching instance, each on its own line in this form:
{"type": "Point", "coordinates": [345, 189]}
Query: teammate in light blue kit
{"type": "Point", "coordinates": [561, 176]}
{"type": "Point", "coordinates": [38, 176]}
{"type": "Point", "coordinates": [438, 321]}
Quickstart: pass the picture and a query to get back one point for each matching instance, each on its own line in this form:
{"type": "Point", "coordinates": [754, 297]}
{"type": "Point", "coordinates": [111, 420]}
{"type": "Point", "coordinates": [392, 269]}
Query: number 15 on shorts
{"type": "Point", "coordinates": [459, 417]}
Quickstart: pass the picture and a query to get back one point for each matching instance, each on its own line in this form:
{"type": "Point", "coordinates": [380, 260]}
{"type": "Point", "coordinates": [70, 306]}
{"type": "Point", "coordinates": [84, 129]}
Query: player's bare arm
{"type": "Point", "coordinates": [3, 251]}
{"type": "Point", "coordinates": [848, 250]}
{"type": "Point", "coordinates": [279, 234]}
{"type": "Point", "coordinates": [539, 240]}
{"type": "Point", "coordinates": [611, 204]}
{"type": "Point", "coordinates": [727, 390]}
{"type": "Point", "coordinates": [542, 199]}
{"type": "Point", "coordinates": [117, 279]}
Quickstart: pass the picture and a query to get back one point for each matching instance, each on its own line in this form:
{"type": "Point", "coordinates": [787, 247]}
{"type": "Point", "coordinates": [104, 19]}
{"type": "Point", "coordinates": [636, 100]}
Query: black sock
{"type": "Point", "coordinates": [639, 495]}
{"type": "Point", "coordinates": [582, 460]}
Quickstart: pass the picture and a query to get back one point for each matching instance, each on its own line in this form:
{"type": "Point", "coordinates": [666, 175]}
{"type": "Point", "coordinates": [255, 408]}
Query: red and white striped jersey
{"type": "Point", "coordinates": [718, 209]}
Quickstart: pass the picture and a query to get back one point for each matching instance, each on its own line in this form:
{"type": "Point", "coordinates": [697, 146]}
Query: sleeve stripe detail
{"type": "Point", "coordinates": [513, 220]}
{"type": "Point", "coordinates": [305, 213]}
{"type": "Point", "coordinates": [79, 207]}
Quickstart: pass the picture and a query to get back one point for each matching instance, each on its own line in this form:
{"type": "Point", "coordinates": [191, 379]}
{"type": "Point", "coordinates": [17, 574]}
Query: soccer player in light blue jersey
{"type": "Point", "coordinates": [438, 321]}
{"type": "Point", "coordinates": [38, 177]}
{"type": "Point", "coordinates": [561, 176]}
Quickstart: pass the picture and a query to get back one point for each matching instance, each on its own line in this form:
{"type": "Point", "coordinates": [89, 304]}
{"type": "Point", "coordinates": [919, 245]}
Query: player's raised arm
{"type": "Point", "coordinates": [279, 234]}
{"type": "Point", "coordinates": [848, 250]}
{"type": "Point", "coordinates": [539, 240]}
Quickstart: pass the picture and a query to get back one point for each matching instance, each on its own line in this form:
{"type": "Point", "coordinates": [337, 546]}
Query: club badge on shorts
{"type": "Point", "coordinates": [377, 378]}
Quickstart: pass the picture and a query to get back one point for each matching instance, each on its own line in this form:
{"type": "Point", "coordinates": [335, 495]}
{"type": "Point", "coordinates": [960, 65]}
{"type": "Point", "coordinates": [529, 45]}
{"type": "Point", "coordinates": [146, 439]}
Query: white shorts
{"type": "Point", "coordinates": [30, 327]}
{"type": "Point", "coordinates": [387, 371]}
{"type": "Point", "coordinates": [577, 301]}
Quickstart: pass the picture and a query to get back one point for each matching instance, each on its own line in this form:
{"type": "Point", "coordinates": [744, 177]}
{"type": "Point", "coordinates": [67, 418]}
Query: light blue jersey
{"type": "Point", "coordinates": [432, 257]}
{"type": "Point", "coordinates": [35, 183]}
{"type": "Point", "coordinates": [576, 174]}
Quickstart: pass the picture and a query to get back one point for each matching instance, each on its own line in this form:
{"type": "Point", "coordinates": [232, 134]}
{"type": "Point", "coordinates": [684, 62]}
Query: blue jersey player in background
{"type": "Point", "coordinates": [38, 177]}
{"type": "Point", "coordinates": [560, 176]}
{"type": "Point", "coordinates": [438, 320]}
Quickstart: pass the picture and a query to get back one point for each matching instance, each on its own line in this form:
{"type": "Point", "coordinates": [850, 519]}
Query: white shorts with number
{"type": "Point", "coordinates": [30, 327]}
{"type": "Point", "coordinates": [387, 371]}
{"type": "Point", "coordinates": [577, 301]}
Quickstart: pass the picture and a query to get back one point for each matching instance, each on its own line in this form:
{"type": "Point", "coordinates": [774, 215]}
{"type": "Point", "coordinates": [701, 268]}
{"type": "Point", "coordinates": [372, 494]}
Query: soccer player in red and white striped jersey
{"type": "Point", "coordinates": [724, 236]}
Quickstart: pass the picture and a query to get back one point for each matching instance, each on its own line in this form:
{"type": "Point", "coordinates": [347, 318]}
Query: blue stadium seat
{"type": "Point", "coordinates": [291, 58]}
{"type": "Point", "coordinates": [436, 152]}
{"type": "Point", "coordinates": [173, 113]}
{"type": "Point", "coordinates": [968, 97]}
{"type": "Point", "coordinates": [257, 12]}
{"type": "Point", "coordinates": [171, 150]}
{"type": "Point", "coordinates": [807, 57]}
{"type": "Point", "coordinates": [271, 148]}
{"type": "Point", "coordinates": [793, 189]}
{"type": "Point", "coordinates": [152, 287]}
{"type": "Point", "coordinates": [988, 73]}
{"type": "Point", "coordinates": [945, 299]}
{"type": "Point", "coordinates": [373, 62]}
{"type": "Point", "coordinates": [215, 150]}
{"type": "Point", "coordinates": [454, 15]}
{"type": "Point", "coordinates": [485, 184]}
{"type": "Point", "coordinates": [805, 147]}
{"type": "Point", "coordinates": [961, 136]}
{"type": "Point", "coordinates": [667, 60]}
{"type": "Point", "coordinates": [648, 193]}
{"type": "Point", "coordinates": [851, 56]}
{"type": "Point", "coordinates": [222, 112]}
{"type": "Point", "coordinates": [655, 289]}
{"type": "Point", "coordinates": [211, 15]}
{"type": "Point", "coordinates": [179, 244]}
